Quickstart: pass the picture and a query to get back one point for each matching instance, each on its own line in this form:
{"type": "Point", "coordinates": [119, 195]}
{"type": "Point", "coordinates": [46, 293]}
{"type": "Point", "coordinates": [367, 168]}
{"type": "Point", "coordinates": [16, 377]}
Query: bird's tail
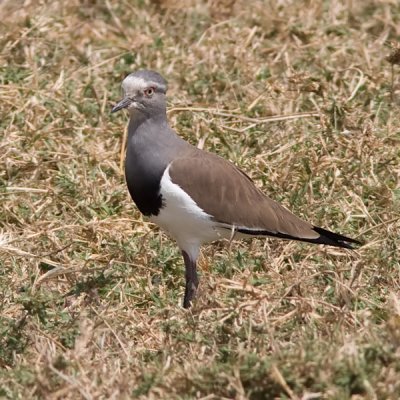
{"type": "Point", "coordinates": [334, 239]}
{"type": "Point", "coordinates": [325, 237]}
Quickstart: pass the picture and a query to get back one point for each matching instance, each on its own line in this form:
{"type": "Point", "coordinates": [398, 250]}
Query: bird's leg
{"type": "Point", "coordinates": [192, 281]}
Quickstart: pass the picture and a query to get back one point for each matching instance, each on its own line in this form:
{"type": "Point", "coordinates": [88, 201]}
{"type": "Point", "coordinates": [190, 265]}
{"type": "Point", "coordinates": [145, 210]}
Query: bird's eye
{"type": "Point", "coordinates": [149, 91]}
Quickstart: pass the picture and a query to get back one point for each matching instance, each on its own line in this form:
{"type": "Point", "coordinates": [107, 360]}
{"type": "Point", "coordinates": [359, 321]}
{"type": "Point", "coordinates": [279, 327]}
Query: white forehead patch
{"type": "Point", "coordinates": [131, 83]}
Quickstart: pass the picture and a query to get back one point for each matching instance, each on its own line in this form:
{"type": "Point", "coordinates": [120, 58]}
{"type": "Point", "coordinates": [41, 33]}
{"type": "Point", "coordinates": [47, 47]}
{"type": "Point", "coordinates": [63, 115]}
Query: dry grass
{"type": "Point", "coordinates": [90, 304]}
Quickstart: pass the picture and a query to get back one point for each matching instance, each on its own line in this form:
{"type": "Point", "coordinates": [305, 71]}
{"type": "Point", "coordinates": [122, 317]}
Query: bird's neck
{"type": "Point", "coordinates": [139, 119]}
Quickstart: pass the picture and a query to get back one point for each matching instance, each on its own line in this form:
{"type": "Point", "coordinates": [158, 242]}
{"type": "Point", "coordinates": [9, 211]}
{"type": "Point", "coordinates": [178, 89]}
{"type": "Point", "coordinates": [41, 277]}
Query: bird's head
{"type": "Point", "coordinates": [144, 91]}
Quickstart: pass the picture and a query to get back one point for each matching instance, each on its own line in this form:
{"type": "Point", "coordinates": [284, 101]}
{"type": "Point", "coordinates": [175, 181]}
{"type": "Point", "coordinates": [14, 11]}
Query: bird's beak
{"type": "Point", "coordinates": [122, 104]}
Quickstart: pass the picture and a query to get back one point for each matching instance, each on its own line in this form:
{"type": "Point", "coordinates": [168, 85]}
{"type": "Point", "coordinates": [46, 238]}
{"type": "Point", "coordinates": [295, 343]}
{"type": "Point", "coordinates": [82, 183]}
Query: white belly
{"type": "Point", "coordinates": [184, 220]}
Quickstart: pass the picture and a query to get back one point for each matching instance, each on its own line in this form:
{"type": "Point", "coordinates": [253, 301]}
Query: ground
{"type": "Point", "coordinates": [302, 95]}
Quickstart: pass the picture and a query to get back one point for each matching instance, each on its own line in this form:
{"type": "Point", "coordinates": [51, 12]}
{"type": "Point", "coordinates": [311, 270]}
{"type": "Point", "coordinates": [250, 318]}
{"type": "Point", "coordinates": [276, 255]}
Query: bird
{"type": "Point", "coordinates": [196, 196]}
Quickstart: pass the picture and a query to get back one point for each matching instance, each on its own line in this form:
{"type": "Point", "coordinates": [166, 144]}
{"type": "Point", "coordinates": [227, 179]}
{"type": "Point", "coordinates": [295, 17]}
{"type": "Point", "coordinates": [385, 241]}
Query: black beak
{"type": "Point", "coordinates": [122, 104]}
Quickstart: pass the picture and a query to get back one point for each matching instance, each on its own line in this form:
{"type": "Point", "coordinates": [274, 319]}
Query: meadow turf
{"type": "Point", "coordinates": [302, 95]}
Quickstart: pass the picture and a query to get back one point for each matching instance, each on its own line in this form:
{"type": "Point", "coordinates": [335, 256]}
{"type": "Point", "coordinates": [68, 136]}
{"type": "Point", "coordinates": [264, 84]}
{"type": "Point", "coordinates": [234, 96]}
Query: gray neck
{"type": "Point", "coordinates": [138, 119]}
{"type": "Point", "coordinates": [152, 142]}
{"type": "Point", "coordinates": [151, 146]}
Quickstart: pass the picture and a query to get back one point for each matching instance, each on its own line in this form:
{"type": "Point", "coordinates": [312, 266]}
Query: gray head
{"type": "Point", "coordinates": [144, 91]}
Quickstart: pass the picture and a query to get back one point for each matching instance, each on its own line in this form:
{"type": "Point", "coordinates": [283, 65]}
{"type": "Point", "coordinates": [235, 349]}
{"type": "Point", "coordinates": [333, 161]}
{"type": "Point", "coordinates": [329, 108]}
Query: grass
{"type": "Point", "coordinates": [304, 96]}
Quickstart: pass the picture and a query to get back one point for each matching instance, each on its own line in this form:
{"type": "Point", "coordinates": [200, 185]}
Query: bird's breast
{"type": "Point", "coordinates": [144, 186]}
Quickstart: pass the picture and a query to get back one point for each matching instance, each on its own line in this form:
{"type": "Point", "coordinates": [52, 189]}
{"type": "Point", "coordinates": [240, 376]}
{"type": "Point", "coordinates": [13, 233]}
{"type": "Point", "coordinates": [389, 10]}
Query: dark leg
{"type": "Point", "coordinates": [192, 281]}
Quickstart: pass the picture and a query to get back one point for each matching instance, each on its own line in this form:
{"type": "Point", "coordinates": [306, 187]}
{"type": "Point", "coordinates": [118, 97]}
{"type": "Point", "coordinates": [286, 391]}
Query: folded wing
{"type": "Point", "coordinates": [230, 197]}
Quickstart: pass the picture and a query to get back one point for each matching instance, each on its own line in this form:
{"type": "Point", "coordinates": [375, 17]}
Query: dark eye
{"type": "Point", "coordinates": [149, 91]}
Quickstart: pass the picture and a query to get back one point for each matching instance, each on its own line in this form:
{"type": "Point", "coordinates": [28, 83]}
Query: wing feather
{"type": "Point", "coordinates": [230, 197]}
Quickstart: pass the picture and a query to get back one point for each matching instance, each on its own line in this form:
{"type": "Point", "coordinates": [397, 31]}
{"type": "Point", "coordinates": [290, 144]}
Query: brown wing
{"type": "Point", "coordinates": [229, 196]}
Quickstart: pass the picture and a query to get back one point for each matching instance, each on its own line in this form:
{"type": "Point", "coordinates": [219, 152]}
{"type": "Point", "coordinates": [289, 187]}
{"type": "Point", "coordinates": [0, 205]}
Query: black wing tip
{"type": "Point", "coordinates": [335, 239]}
{"type": "Point", "coordinates": [326, 237]}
